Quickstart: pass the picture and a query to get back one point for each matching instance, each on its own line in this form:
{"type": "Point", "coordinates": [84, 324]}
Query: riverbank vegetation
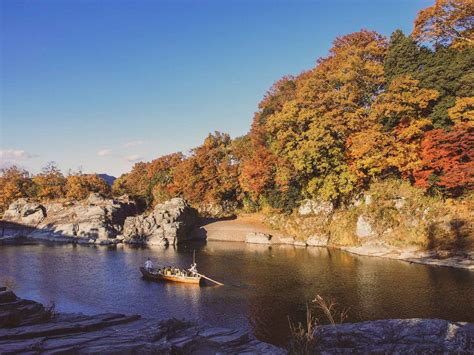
{"type": "Point", "coordinates": [304, 337]}
{"type": "Point", "coordinates": [374, 115]}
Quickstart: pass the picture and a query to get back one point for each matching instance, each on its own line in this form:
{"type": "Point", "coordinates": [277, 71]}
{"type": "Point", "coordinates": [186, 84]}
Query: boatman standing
{"type": "Point", "coordinates": [148, 265]}
{"type": "Point", "coordinates": [193, 268]}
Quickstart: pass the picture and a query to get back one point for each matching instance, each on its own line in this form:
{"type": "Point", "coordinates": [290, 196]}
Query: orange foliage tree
{"type": "Point", "coordinates": [79, 186]}
{"type": "Point", "coordinates": [50, 183]}
{"type": "Point", "coordinates": [210, 174]}
{"type": "Point", "coordinates": [14, 183]}
{"type": "Point", "coordinates": [448, 159]}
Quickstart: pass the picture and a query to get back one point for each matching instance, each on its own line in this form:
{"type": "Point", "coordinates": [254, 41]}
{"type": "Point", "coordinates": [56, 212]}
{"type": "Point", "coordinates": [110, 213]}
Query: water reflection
{"type": "Point", "coordinates": [263, 285]}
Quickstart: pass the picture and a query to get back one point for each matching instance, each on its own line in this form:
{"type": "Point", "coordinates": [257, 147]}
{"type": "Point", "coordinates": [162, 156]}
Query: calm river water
{"type": "Point", "coordinates": [263, 286]}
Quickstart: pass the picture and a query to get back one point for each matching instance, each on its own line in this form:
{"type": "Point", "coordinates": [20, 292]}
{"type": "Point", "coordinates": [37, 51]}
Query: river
{"type": "Point", "coordinates": [263, 286]}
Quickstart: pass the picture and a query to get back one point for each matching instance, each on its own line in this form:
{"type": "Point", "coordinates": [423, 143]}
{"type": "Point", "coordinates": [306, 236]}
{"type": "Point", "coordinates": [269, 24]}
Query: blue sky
{"type": "Point", "coordinates": [100, 84]}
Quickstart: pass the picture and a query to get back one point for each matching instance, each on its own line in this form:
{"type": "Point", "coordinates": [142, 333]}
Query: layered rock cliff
{"type": "Point", "coordinates": [97, 220]}
{"type": "Point", "coordinates": [169, 223]}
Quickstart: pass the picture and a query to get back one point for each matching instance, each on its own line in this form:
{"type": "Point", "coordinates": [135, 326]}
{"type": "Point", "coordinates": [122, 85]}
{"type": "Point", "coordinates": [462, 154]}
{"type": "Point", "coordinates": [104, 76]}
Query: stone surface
{"type": "Point", "coordinates": [364, 228]}
{"type": "Point", "coordinates": [309, 207]}
{"type": "Point", "coordinates": [27, 327]}
{"type": "Point", "coordinates": [95, 219]}
{"type": "Point", "coordinates": [169, 223]}
{"type": "Point", "coordinates": [402, 336]}
{"type": "Point", "coordinates": [318, 240]}
{"type": "Point", "coordinates": [283, 240]}
{"type": "Point", "coordinates": [258, 238]}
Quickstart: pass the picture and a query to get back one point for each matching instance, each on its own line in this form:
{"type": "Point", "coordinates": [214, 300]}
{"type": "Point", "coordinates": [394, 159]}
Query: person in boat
{"type": "Point", "coordinates": [193, 269]}
{"type": "Point", "coordinates": [149, 265]}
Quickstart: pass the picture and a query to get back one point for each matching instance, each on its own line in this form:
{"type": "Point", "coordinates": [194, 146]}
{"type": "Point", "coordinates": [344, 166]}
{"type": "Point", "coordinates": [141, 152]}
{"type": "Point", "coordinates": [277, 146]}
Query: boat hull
{"type": "Point", "coordinates": [170, 278]}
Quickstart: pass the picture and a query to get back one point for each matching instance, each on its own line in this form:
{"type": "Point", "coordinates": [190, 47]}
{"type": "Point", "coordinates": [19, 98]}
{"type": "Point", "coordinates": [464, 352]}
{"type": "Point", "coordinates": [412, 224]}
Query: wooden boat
{"type": "Point", "coordinates": [159, 275]}
{"type": "Point", "coordinates": [173, 274]}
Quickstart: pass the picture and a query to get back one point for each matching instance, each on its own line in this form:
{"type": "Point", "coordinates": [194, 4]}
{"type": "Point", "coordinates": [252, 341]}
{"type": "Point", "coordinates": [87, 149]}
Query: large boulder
{"type": "Point", "coordinates": [364, 227]}
{"type": "Point", "coordinates": [169, 223]}
{"type": "Point", "coordinates": [26, 213]}
{"type": "Point", "coordinates": [399, 336]}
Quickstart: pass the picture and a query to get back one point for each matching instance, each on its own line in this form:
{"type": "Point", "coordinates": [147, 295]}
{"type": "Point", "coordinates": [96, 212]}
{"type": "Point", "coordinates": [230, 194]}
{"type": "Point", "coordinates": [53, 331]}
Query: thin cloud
{"type": "Point", "coordinates": [104, 152]}
{"type": "Point", "coordinates": [133, 158]}
{"type": "Point", "coordinates": [133, 143]}
{"type": "Point", "coordinates": [15, 154]}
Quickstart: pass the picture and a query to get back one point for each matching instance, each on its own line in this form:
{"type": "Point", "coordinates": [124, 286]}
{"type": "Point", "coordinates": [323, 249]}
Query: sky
{"type": "Point", "coordinates": [98, 85]}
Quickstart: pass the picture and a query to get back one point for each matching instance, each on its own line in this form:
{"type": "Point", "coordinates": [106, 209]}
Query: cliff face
{"type": "Point", "coordinates": [97, 220]}
{"type": "Point", "coordinates": [169, 223]}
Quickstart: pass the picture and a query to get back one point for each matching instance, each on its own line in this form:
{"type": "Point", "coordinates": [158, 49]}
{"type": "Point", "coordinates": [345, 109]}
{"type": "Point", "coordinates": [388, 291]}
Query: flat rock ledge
{"type": "Point", "coordinates": [28, 327]}
{"type": "Point", "coordinates": [396, 336]}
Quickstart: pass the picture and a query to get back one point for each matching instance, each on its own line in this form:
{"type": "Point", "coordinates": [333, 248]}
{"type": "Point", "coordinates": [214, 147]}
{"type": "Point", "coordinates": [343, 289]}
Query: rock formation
{"type": "Point", "coordinates": [168, 223]}
{"type": "Point", "coordinates": [399, 336]}
{"type": "Point", "coordinates": [98, 220]}
{"type": "Point", "coordinates": [94, 220]}
{"type": "Point", "coordinates": [27, 327]}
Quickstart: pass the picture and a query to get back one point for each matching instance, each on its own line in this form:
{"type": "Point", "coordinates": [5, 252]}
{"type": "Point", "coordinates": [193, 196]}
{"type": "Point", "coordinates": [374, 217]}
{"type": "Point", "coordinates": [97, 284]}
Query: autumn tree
{"type": "Point", "coordinates": [446, 70]}
{"type": "Point", "coordinates": [447, 160]}
{"type": "Point", "coordinates": [447, 22]}
{"type": "Point", "coordinates": [79, 186]}
{"type": "Point", "coordinates": [14, 183]}
{"type": "Point", "coordinates": [331, 103]}
{"type": "Point", "coordinates": [451, 73]}
{"type": "Point", "coordinates": [462, 111]}
{"type": "Point", "coordinates": [210, 174]}
{"type": "Point", "coordinates": [400, 117]}
{"type": "Point", "coordinates": [51, 183]}
{"type": "Point", "coordinates": [161, 174]}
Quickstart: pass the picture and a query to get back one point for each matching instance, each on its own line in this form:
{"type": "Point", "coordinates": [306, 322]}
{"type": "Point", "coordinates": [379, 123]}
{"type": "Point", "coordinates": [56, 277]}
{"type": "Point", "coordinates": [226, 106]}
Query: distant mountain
{"type": "Point", "coordinates": [109, 179]}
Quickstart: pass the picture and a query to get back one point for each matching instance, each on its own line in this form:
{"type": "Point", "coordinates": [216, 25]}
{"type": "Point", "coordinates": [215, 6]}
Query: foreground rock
{"type": "Point", "coordinates": [36, 330]}
{"type": "Point", "coordinates": [169, 223]}
{"type": "Point", "coordinates": [400, 336]}
{"type": "Point", "coordinates": [28, 327]}
{"type": "Point", "coordinates": [94, 220]}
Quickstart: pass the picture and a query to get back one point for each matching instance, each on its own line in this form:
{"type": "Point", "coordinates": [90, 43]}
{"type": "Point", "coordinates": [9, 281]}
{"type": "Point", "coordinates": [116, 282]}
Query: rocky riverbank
{"type": "Point", "coordinates": [433, 235]}
{"type": "Point", "coordinates": [253, 229]}
{"type": "Point", "coordinates": [28, 327]}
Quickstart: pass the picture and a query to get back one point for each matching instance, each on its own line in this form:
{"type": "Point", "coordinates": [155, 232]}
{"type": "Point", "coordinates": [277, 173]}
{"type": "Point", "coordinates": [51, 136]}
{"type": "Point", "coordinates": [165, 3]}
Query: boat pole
{"type": "Point", "coordinates": [208, 278]}
{"type": "Point", "coordinates": [203, 276]}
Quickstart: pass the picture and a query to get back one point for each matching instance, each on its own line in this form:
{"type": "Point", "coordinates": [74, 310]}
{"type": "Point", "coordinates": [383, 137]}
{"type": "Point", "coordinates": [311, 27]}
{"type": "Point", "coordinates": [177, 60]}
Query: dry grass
{"type": "Point", "coordinates": [303, 336]}
{"type": "Point", "coordinates": [50, 311]}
